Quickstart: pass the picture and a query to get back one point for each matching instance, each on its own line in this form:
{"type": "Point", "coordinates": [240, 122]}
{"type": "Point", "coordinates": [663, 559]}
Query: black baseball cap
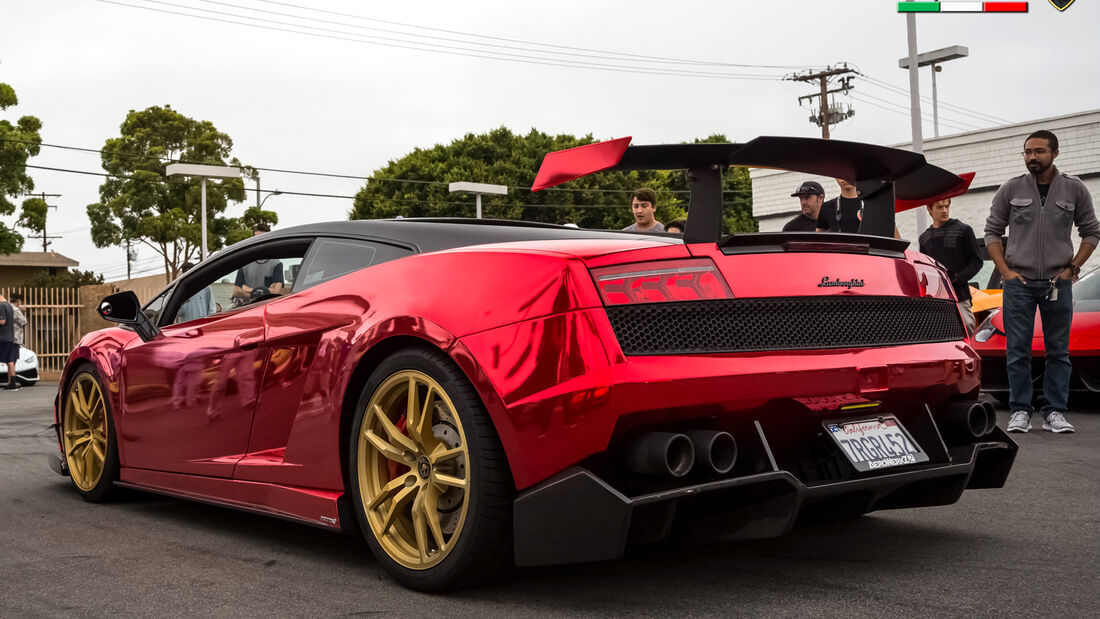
{"type": "Point", "coordinates": [809, 188]}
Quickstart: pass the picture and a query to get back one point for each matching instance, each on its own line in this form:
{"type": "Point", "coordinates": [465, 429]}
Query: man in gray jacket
{"type": "Point", "coordinates": [1038, 268]}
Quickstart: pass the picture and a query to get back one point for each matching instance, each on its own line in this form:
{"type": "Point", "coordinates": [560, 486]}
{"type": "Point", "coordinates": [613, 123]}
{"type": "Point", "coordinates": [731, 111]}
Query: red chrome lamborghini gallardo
{"type": "Point", "coordinates": [477, 395]}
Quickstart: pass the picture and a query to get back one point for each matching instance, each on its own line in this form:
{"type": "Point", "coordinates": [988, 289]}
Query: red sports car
{"type": "Point", "coordinates": [1084, 345]}
{"type": "Point", "coordinates": [475, 395]}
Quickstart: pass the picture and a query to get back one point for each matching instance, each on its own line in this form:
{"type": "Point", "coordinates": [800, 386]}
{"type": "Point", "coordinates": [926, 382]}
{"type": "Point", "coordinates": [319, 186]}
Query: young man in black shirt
{"type": "Point", "coordinates": [953, 244]}
{"type": "Point", "coordinates": [843, 213]}
{"type": "Point", "coordinates": [810, 196]}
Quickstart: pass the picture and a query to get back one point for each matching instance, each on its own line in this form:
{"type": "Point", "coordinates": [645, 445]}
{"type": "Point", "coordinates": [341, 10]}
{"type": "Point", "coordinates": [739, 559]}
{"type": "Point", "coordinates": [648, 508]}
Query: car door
{"type": "Point", "coordinates": [291, 441]}
{"type": "Point", "coordinates": [189, 395]}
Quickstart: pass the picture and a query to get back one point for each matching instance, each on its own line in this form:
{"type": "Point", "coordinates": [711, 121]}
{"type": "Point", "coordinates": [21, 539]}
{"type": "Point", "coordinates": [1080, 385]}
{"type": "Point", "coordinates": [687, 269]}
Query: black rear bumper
{"type": "Point", "coordinates": [577, 517]}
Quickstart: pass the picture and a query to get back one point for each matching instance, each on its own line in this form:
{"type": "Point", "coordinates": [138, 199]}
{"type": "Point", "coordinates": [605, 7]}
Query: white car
{"type": "Point", "coordinates": [26, 368]}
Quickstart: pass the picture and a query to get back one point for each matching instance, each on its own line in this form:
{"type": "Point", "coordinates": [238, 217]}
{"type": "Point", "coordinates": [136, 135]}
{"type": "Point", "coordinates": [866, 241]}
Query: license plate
{"type": "Point", "coordinates": [874, 444]}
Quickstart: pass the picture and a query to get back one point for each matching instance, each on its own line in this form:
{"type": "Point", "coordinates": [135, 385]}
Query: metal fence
{"type": "Point", "coordinates": [53, 323]}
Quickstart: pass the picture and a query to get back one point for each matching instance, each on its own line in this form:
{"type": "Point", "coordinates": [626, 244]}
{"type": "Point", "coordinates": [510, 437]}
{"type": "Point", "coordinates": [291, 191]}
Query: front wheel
{"type": "Point", "coordinates": [88, 438]}
{"type": "Point", "coordinates": [429, 479]}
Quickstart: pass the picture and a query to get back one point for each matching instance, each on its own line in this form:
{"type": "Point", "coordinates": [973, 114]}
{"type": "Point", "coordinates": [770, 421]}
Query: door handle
{"type": "Point", "coordinates": [249, 339]}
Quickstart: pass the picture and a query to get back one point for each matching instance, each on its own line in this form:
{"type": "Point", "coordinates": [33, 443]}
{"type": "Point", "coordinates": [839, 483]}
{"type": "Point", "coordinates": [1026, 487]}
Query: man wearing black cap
{"type": "Point", "coordinates": [810, 195]}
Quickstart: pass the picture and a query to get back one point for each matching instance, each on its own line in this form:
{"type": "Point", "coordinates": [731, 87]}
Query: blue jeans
{"type": "Point", "coordinates": [1020, 301]}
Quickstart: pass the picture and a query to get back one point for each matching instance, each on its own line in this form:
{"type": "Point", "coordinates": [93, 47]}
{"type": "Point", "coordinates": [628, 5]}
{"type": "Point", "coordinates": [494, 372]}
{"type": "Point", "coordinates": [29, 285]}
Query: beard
{"type": "Point", "coordinates": [1037, 167]}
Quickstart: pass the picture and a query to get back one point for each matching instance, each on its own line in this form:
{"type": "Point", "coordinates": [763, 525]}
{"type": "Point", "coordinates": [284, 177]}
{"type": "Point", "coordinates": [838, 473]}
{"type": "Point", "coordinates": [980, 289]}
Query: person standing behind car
{"type": "Point", "coordinates": [952, 243]}
{"type": "Point", "coordinates": [843, 213]}
{"type": "Point", "coordinates": [9, 350]}
{"type": "Point", "coordinates": [1038, 268]}
{"type": "Point", "coordinates": [810, 195]}
{"type": "Point", "coordinates": [644, 208]}
{"type": "Point", "coordinates": [262, 274]}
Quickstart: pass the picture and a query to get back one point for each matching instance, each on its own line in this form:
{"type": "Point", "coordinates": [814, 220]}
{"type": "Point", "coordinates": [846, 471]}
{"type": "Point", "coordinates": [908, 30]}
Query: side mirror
{"type": "Point", "coordinates": [124, 308]}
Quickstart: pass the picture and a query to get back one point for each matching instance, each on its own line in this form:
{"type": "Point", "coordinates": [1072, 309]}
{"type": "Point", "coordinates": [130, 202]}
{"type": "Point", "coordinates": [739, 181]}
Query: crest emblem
{"type": "Point", "coordinates": [1061, 5]}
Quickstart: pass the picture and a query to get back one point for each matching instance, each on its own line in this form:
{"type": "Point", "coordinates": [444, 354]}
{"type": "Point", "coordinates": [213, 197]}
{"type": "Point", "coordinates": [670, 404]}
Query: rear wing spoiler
{"type": "Point", "coordinates": [886, 177]}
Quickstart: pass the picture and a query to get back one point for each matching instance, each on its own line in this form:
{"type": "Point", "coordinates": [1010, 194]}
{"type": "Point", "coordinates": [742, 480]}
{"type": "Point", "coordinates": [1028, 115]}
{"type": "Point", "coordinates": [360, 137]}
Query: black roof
{"type": "Point", "coordinates": [427, 235]}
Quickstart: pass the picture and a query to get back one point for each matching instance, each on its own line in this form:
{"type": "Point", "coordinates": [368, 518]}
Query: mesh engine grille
{"type": "Point", "coordinates": [787, 323]}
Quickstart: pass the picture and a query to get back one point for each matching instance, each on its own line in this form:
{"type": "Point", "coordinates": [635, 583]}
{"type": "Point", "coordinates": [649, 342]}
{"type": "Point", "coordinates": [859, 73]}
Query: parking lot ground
{"type": "Point", "coordinates": [1029, 549]}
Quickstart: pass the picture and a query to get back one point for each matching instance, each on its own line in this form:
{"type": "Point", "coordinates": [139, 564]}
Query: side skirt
{"type": "Point", "coordinates": [319, 508]}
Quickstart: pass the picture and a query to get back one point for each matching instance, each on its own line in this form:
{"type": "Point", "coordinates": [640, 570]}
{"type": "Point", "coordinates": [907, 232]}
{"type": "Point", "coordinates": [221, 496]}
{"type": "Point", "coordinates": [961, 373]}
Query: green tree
{"type": "Point", "coordinates": [64, 279]}
{"type": "Point", "coordinates": [18, 143]}
{"type": "Point", "coordinates": [416, 184]}
{"type": "Point", "coordinates": [253, 216]}
{"type": "Point", "coordinates": [33, 216]}
{"type": "Point", "coordinates": [736, 192]}
{"type": "Point", "coordinates": [138, 203]}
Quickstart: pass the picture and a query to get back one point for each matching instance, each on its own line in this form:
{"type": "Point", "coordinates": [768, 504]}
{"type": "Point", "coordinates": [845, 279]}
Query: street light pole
{"type": "Point", "coordinates": [935, 60]}
{"type": "Point", "coordinates": [203, 172]}
{"type": "Point", "coordinates": [935, 104]}
{"type": "Point", "coordinates": [478, 189]}
{"type": "Point", "coordinates": [914, 102]}
{"type": "Point", "coordinates": [273, 193]}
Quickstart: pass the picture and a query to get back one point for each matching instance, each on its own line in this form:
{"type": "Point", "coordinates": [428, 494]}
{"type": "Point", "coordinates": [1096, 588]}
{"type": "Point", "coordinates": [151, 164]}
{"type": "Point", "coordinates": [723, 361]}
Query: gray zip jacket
{"type": "Point", "coordinates": [1039, 242]}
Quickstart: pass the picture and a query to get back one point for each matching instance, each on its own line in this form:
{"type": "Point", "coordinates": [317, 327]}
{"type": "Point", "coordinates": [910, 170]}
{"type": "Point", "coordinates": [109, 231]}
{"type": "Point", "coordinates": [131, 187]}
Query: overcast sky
{"type": "Point", "coordinates": [325, 103]}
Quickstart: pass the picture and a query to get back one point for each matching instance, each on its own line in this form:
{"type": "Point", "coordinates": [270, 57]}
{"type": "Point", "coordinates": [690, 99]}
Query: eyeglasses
{"type": "Point", "coordinates": [1038, 152]}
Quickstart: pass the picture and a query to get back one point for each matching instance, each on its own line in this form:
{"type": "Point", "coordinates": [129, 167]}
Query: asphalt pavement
{"type": "Point", "coordinates": [1029, 549]}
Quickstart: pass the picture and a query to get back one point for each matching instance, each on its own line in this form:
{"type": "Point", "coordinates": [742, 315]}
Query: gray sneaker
{"type": "Point", "coordinates": [1056, 422]}
{"type": "Point", "coordinates": [1020, 422]}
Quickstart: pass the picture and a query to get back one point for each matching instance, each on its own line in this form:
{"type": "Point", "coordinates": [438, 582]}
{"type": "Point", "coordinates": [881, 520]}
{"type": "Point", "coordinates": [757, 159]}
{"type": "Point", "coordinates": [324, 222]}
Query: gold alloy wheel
{"type": "Point", "coordinates": [85, 432]}
{"type": "Point", "coordinates": [414, 481]}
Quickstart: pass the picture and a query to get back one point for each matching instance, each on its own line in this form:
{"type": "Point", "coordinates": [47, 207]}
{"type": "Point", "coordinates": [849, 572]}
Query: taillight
{"type": "Point", "coordinates": [656, 282]}
{"type": "Point", "coordinates": [932, 283]}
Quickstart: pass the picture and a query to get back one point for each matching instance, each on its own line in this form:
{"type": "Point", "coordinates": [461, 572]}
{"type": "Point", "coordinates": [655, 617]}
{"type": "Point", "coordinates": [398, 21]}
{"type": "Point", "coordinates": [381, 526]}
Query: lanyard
{"type": "Point", "coordinates": [859, 213]}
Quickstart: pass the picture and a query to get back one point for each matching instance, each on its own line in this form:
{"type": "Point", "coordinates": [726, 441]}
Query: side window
{"type": "Point", "coordinates": [232, 283]}
{"type": "Point", "coordinates": [331, 258]}
{"type": "Point", "coordinates": [154, 308]}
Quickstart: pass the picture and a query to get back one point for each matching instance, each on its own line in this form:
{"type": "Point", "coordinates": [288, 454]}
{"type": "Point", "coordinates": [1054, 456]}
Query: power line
{"type": "Point", "coordinates": [927, 116]}
{"type": "Point", "coordinates": [862, 98]}
{"type": "Point", "coordinates": [955, 108]}
{"type": "Point", "coordinates": [284, 171]}
{"type": "Point", "coordinates": [328, 195]}
{"type": "Point", "coordinates": [431, 47]}
{"type": "Point", "coordinates": [373, 179]}
{"type": "Point", "coordinates": [954, 123]}
{"type": "Point", "coordinates": [524, 45]}
{"type": "Point", "coordinates": [547, 45]}
{"type": "Point", "coordinates": [957, 124]}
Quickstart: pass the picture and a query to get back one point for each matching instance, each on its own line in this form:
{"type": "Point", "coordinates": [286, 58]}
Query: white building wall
{"type": "Point", "coordinates": [993, 154]}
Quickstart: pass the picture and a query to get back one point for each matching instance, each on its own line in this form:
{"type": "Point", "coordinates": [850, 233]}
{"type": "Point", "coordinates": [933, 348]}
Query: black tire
{"type": "Point", "coordinates": [479, 547]}
{"type": "Point", "coordinates": [94, 484]}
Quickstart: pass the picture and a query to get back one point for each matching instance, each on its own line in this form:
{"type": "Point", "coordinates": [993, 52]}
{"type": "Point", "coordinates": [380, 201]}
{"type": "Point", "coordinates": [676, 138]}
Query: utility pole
{"type": "Point", "coordinates": [45, 237]}
{"type": "Point", "coordinates": [826, 116]}
{"type": "Point", "coordinates": [130, 255]}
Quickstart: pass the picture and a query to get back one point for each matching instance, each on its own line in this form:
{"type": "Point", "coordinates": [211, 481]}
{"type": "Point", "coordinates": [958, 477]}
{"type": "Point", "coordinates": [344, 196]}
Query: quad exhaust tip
{"type": "Point", "coordinates": [661, 453]}
{"type": "Point", "coordinates": [966, 421]}
{"type": "Point", "coordinates": [674, 454]}
{"type": "Point", "coordinates": [716, 451]}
